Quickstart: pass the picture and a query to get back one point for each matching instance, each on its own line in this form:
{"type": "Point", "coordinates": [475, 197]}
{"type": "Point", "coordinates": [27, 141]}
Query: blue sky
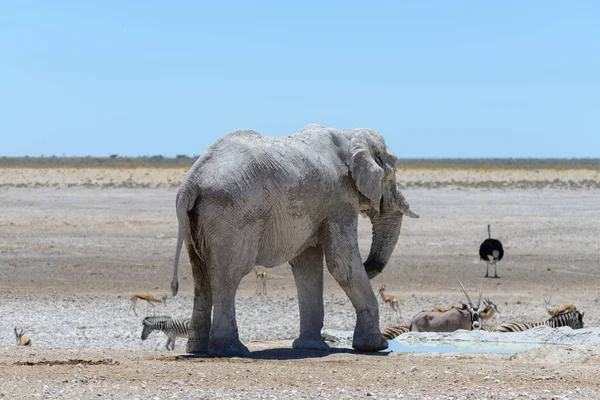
{"type": "Point", "coordinates": [437, 79]}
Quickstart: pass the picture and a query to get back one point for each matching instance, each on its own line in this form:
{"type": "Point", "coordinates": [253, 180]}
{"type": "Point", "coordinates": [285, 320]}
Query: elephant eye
{"type": "Point", "coordinates": [379, 160]}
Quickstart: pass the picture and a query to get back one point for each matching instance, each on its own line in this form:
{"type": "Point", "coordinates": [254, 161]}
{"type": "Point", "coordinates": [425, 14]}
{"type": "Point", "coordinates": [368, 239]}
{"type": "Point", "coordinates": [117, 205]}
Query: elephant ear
{"type": "Point", "coordinates": [366, 164]}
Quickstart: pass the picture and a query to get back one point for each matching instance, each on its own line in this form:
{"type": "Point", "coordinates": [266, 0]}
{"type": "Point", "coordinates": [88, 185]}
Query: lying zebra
{"type": "Point", "coordinates": [394, 331]}
{"type": "Point", "coordinates": [573, 319]}
{"type": "Point", "coordinates": [172, 327]}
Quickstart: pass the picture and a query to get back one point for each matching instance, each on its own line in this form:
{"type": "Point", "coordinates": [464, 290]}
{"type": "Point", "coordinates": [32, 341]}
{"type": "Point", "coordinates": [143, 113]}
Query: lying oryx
{"type": "Point", "coordinates": [468, 317]}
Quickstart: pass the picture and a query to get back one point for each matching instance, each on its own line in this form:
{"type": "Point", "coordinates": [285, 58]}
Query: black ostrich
{"type": "Point", "coordinates": [491, 251]}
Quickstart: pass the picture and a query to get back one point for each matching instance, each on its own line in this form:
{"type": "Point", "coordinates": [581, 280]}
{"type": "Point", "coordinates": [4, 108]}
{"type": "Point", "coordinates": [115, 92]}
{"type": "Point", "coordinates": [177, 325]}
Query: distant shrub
{"type": "Point", "coordinates": [114, 155]}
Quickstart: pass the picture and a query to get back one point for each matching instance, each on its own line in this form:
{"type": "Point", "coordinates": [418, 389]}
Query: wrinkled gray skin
{"type": "Point", "coordinates": [449, 321]}
{"type": "Point", "coordinates": [251, 200]}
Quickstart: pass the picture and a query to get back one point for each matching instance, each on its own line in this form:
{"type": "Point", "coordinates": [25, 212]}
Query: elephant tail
{"type": "Point", "coordinates": [183, 204]}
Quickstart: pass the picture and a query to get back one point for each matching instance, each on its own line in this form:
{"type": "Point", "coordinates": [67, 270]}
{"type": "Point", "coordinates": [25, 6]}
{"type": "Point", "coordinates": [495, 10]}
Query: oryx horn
{"type": "Point", "coordinates": [466, 294]}
{"type": "Point", "coordinates": [480, 292]}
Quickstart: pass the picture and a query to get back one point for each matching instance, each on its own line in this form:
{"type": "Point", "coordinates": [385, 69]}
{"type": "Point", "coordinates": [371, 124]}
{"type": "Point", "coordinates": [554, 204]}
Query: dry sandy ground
{"type": "Point", "coordinates": [146, 177]}
{"type": "Point", "coordinates": [84, 240]}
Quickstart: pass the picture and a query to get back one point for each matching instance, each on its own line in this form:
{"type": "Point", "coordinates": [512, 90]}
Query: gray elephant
{"type": "Point", "coordinates": [251, 200]}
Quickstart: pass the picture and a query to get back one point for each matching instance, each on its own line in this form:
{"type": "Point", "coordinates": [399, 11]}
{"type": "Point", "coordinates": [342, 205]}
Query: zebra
{"type": "Point", "coordinates": [573, 319]}
{"type": "Point", "coordinates": [172, 327]}
{"type": "Point", "coordinates": [394, 331]}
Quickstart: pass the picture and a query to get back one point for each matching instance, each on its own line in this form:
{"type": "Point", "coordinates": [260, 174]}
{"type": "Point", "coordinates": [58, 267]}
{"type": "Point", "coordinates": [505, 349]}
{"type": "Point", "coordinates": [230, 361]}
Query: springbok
{"type": "Point", "coordinates": [261, 281]}
{"type": "Point", "coordinates": [21, 338]}
{"type": "Point", "coordinates": [466, 317]}
{"type": "Point", "coordinates": [148, 297]}
{"type": "Point", "coordinates": [390, 301]}
{"type": "Point", "coordinates": [443, 309]}
{"type": "Point", "coordinates": [489, 311]}
{"type": "Point", "coordinates": [553, 310]}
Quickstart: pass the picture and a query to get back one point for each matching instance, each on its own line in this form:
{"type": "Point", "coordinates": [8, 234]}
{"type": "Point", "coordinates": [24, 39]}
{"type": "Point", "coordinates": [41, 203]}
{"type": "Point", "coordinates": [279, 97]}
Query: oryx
{"type": "Point", "coordinates": [468, 317]}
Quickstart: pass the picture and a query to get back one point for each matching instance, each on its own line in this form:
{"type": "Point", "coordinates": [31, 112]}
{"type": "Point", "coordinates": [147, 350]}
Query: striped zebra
{"type": "Point", "coordinates": [574, 319]}
{"type": "Point", "coordinates": [394, 331]}
{"type": "Point", "coordinates": [172, 327]}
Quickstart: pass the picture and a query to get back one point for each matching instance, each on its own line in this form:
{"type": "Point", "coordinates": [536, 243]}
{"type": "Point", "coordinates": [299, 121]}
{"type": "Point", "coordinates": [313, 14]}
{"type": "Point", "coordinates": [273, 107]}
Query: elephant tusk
{"type": "Point", "coordinates": [409, 212]}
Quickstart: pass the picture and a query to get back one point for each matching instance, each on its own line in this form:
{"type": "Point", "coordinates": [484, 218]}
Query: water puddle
{"type": "Point", "coordinates": [460, 347]}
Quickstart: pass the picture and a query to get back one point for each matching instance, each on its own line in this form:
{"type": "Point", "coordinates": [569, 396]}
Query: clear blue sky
{"type": "Point", "coordinates": [437, 78]}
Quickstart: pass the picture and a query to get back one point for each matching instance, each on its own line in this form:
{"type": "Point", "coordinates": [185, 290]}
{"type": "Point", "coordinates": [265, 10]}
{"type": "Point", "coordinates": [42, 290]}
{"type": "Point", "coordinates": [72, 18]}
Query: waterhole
{"type": "Point", "coordinates": [459, 347]}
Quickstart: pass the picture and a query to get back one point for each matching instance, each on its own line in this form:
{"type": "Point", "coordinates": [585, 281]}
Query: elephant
{"type": "Point", "coordinates": [253, 200]}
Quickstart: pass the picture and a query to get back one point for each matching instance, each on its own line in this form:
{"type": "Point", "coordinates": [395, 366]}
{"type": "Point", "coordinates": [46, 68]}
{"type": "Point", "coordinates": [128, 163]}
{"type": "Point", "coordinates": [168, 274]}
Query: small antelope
{"type": "Point", "coordinates": [443, 309]}
{"type": "Point", "coordinates": [261, 281]}
{"type": "Point", "coordinates": [389, 300]}
{"type": "Point", "coordinates": [148, 297]}
{"type": "Point", "coordinates": [489, 311]}
{"type": "Point", "coordinates": [553, 310]}
{"type": "Point", "coordinates": [21, 338]}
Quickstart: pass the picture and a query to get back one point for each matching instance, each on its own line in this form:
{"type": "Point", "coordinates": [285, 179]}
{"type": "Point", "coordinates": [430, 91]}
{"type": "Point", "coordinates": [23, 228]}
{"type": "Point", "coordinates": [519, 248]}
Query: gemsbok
{"type": "Point", "coordinates": [468, 317]}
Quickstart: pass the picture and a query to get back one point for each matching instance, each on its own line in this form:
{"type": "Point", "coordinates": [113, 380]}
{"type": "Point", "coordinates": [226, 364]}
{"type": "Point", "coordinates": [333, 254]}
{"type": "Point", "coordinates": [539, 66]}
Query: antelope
{"type": "Point", "coordinates": [489, 311]}
{"type": "Point", "coordinates": [553, 310]}
{"type": "Point", "coordinates": [261, 281]}
{"type": "Point", "coordinates": [389, 300]}
{"type": "Point", "coordinates": [148, 297]}
{"type": "Point", "coordinates": [465, 317]}
{"type": "Point", "coordinates": [21, 338]}
{"type": "Point", "coordinates": [443, 309]}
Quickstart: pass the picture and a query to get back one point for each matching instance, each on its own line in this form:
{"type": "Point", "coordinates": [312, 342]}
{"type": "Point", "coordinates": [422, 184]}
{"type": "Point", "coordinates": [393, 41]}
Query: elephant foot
{"type": "Point", "coordinates": [198, 347]}
{"type": "Point", "coordinates": [230, 348]}
{"type": "Point", "coordinates": [371, 342]}
{"type": "Point", "coordinates": [311, 344]}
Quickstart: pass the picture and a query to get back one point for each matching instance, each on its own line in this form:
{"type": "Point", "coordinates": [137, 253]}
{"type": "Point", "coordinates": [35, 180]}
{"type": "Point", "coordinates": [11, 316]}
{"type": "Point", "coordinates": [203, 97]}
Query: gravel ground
{"type": "Point", "coordinates": [106, 322]}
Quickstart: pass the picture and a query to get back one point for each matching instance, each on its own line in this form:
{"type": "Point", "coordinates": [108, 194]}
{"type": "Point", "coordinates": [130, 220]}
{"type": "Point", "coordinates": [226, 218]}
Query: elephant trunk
{"type": "Point", "coordinates": [386, 230]}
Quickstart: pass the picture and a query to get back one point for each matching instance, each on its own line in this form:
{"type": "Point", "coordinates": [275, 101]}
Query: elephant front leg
{"type": "Point", "coordinates": [200, 323]}
{"type": "Point", "coordinates": [308, 275]}
{"type": "Point", "coordinates": [344, 263]}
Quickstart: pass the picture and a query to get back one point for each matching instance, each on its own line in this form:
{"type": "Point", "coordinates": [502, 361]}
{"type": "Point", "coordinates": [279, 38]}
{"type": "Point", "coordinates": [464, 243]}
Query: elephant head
{"type": "Point", "coordinates": [373, 168]}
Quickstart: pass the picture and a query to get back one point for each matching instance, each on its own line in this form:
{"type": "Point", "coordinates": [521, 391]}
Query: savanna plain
{"type": "Point", "coordinates": [77, 239]}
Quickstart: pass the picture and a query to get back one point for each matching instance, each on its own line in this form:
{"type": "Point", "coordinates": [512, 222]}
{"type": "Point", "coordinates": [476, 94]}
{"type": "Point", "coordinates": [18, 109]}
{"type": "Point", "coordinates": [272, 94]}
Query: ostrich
{"type": "Point", "coordinates": [491, 251]}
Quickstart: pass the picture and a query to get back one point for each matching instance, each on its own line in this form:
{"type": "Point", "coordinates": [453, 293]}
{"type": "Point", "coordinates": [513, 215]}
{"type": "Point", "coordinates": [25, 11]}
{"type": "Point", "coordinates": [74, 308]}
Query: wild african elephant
{"type": "Point", "coordinates": [251, 200]}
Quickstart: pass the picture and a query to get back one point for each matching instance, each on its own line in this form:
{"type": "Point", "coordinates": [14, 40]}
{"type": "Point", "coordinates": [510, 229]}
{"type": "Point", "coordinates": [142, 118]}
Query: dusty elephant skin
{"type": "Point", "coordinates": [251, 200]}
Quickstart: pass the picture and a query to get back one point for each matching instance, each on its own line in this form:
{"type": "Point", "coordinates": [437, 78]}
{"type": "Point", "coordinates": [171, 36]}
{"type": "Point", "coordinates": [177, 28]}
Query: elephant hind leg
{"type": "Point", "coordinates": [228, 269]}
{"type": "Point", "coordinates": [308, 275]}
{"type": "Point", "coordinates": [200, 324]}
